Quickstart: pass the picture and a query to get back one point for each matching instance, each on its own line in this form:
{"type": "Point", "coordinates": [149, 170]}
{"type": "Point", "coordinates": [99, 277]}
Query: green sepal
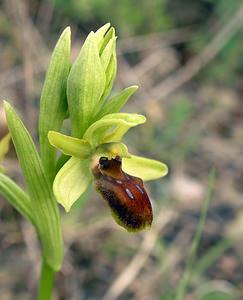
{"type": "Point", "coordinates": [16, 197]}
{"type": "Point", "coordinates": [144, 168]}
{"type": "Point", "coordinates": [71, 181]}
{"type": "Point", "coordinates": [112, 127]}
{"type": "Point", "coordinates": [69, 145]}
{"type": "Point", "coordinates": [85, 86]}
{"type": "Point", "coordinates": [53, 103]}
{"type": "Point", "coordinates": [115, 104]}
{"type": "Point", "coordinates": [43, 205]}
{"type": "Point", "coordinates": [111, 150]}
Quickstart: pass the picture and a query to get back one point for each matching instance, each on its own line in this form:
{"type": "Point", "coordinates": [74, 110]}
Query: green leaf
{"type": "Point", "coordinates": [111, 150]}
{"type": "Point", "coordinates": [43, 205]}
{"type": "Point", "coordinates": [53, 103]}
{"type": "Point", "coordinates": [112, 127]}
{"type": "Point", "coordinates": [71, 181]}
{"type": "Point", "coordinates": [144, 168]}
{"type": "Point", "coordinates": [16, 197]}
{"type": "Point", "coordinates": [69, 145]}
{"type": "Point", "coordinates": [115, 104]}
{"type": "Point", "coordinates": [85, 86]}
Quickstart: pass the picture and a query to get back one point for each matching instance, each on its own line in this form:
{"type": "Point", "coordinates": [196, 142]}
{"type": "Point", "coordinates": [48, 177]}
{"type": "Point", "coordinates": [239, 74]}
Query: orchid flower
{"type": "Point", "coordinates": [102, 140]}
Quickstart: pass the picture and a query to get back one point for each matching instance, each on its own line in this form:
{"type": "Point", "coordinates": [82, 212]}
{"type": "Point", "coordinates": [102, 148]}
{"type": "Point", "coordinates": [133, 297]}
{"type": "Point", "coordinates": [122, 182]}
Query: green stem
{"type": "Point", "coordinates": [186, 278]}
{"type": "Point", "coordinates": [46, 282]}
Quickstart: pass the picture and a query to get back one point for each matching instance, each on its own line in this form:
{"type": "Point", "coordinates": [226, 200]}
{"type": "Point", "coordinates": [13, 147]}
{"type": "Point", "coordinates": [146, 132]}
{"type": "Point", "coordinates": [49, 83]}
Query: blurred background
{"type": "Point", "coordinates": [187, 58]}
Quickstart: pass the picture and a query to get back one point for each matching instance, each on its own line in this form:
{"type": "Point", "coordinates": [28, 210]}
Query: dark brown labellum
{"type": "Point", "coordinates": [125, 194]}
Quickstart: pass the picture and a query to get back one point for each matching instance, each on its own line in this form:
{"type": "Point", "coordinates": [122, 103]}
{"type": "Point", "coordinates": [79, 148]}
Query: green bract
{"type": "Point", "coordinates": [53, 102]}
{"type": "Point", "coordinates": [116, 103]}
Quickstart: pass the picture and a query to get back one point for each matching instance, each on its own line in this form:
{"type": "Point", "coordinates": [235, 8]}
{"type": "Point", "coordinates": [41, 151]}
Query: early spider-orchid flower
{"type": "Point", "coordinates": [117, 175]}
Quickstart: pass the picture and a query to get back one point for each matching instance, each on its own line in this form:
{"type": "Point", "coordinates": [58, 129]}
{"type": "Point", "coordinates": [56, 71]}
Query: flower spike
{"type": "Point", "coordinates": [95, 145]}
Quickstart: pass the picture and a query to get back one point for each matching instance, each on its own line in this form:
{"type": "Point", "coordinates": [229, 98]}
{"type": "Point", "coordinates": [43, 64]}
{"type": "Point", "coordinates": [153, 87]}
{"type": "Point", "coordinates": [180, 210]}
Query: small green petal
{"type": "Point", "coordinates": [111, 150]}
{"type": "Point", "coordinates": [144, 168]}
{"type": "Point", "coordinates": [112, 127]}
{"type": "Point", "coordinates": [70, 145]}
{"type": "Point", "coordinates": [71, 181]}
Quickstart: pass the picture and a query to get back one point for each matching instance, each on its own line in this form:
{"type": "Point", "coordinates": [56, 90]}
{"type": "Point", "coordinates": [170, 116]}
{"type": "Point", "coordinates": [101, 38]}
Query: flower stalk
{"type": "Point", "coordinates": [46, 283]}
